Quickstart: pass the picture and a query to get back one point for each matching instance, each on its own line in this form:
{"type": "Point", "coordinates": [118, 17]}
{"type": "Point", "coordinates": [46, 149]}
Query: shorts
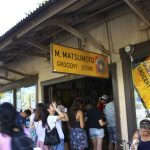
{"type": "Point", "coordinates": [112, 134]}
{"type": "Point", "coordinates": [96, 133]}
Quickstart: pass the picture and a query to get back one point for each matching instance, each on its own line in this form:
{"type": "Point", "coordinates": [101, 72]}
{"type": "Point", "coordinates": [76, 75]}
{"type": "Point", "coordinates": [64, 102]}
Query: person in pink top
{"type": "Point", "coordinates": [7, 124]}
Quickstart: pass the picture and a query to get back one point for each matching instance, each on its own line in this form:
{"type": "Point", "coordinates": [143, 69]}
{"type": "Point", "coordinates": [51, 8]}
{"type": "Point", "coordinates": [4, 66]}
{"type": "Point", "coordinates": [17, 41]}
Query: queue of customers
{"type": "Point", "coordinates": [86, 126]}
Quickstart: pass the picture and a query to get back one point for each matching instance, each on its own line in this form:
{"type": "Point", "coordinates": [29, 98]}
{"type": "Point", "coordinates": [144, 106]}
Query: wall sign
{"type": "Point", "coordinates": [75, 61]}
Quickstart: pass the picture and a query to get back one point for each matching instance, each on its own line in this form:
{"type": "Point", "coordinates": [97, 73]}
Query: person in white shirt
{"type": "Point", "coordinates": [40, 122]}
{"type": "Point", "coordinates": [54, 119]}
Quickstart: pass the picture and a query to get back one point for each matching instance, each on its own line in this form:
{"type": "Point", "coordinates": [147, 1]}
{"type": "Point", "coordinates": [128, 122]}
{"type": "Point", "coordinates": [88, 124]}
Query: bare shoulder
{"type": "Point", "coordinates": [79, 112]}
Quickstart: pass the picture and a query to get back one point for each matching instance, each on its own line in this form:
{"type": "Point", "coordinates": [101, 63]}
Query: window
{"type": "Point", "coordinates": [6, 97]}
{"type": "Point", "coordinates": [26, 98]}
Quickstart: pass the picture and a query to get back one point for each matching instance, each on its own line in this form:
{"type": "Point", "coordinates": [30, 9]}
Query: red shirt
{"type": "Point", "coordinates": [101, 106]}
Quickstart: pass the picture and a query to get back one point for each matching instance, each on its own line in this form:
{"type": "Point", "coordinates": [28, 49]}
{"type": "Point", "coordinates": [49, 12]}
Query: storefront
{"type": "Point", "coordinates": [104, 29]}
{"type": "Point", "coordinates": [85, 87]}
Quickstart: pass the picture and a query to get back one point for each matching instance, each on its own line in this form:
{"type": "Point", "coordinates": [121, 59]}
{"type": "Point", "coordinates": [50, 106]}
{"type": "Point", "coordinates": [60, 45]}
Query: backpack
{"type": "Point", "coordinates": [20, 141]}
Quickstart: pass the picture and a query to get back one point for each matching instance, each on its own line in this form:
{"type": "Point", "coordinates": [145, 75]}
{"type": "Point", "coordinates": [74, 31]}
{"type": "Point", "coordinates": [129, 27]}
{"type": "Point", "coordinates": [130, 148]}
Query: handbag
{"type": "Point", "coordinates": [51, 136]}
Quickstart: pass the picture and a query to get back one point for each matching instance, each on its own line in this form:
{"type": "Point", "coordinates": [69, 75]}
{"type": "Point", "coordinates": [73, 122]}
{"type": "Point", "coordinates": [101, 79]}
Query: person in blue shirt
{"type": "Point", "coordinates": [21, 119]}
{"type": "Point", "coordinates": [141, 137]}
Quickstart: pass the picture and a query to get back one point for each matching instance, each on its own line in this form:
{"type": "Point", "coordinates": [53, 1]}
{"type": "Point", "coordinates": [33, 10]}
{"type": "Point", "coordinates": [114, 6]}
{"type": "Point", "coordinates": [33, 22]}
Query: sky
{"type": "Point", "coordinates": [13, 11]}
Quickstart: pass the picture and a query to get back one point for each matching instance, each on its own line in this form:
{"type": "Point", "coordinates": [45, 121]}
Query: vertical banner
{"type": "Point", "coordinates": [75, 61]}
{"type": "Point", "coordinates": [141, 78]}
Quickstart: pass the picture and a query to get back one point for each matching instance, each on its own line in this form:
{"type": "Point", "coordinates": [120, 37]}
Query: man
{"type": "Point", "coordinates": [102, 102]}
{"type": "Point", "coordinates": [22, 118]}
{"type": "Point", "coordinates": [109, 111]}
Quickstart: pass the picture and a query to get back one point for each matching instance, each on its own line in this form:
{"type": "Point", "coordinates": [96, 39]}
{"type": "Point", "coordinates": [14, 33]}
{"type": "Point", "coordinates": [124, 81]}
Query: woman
{"type": "Point", "coordinates": [78, 137]}
{"type": "Point", "coordinates": [141, 138]}
{"type": "Point", "coordinates": [11, 135]}
{"type": "Point", "coordinates": [54, 119]}
{"type": "Point", "coordinates": [95, 124]}
{"type": "Point", "coordinates": [40, 121]}
{"type": "Point", "coordinates": [8, 116]}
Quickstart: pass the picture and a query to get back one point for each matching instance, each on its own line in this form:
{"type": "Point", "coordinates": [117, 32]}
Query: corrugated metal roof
{"type": "Point", "coordinates": [41, 7]}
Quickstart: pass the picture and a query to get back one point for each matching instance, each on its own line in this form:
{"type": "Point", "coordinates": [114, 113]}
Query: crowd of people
{"type": "Point", "coordinates": [87, 124]}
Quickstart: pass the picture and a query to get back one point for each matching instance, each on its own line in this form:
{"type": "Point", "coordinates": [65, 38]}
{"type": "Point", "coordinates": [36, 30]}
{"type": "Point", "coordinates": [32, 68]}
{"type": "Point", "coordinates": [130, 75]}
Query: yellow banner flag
{"type": "Point", "coordinates": [141, 78]}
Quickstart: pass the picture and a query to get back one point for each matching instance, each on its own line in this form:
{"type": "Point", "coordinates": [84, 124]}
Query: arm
{"type": "Point", "coordinates": [101, 116]}
{"type": "Point", "coordinates": [135, 140]}
{"type": "Point", "coordinates": [60, 114]}
{"type": "Point", "coordinates": [65, 118]}
{"type": "Point", "coordinates": [135, 135]}
{"type": "Point", "coordinates": [81, 118]}
{"type": "Point", "coordinates": [101, 122]}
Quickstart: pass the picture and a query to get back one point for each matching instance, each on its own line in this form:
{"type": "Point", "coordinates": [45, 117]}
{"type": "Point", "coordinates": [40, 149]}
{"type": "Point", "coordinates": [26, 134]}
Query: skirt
{"type": "Point", "coordinates": [78, 139]}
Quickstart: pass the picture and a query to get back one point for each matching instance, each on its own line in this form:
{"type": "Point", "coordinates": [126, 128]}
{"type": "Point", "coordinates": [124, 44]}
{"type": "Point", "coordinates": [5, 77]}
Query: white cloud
{"type": "Point", "coordinates": [13, 11]}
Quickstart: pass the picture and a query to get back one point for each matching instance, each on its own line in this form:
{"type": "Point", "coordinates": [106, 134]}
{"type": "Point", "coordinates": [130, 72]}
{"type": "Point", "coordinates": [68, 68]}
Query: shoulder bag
{"type": "Point", "coordinates": [51, 136]}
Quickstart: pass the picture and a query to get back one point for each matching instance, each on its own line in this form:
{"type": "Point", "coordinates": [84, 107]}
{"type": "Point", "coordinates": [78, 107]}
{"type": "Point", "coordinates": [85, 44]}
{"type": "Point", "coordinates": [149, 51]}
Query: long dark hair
{"type": "Point", "coordinates": [77, 105]}
{"type": "Point", "coordinates": [51, 103]}
{"type": "Point", "coordinates": [8, 116]}
{"type": "Point", "coordinates": [41, 114]}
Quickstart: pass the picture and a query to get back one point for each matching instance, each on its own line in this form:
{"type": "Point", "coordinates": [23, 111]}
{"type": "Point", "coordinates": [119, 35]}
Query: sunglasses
{"type": "Point", "coordinates": [145, 124]}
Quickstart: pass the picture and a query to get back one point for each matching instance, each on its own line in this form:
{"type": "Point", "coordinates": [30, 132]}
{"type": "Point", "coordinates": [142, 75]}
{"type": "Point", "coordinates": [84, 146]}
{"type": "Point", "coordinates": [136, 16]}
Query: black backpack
{"type": "Point", "coordinates": [20, 141]}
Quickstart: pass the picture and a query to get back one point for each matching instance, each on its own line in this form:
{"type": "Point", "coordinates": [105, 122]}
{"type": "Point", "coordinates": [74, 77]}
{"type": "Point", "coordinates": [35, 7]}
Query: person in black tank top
{"type": "Point", "coordinates": [78, 137]}
{"type": "Point", "coordinates": [141, 137]}
{"type": "Point", "coordinates": [95, 124]}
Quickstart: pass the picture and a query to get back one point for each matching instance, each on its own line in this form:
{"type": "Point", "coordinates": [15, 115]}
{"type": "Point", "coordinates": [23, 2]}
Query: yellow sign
{"type": "Point", "coordinates": [141, 77]}
{"type": "Point", "coordinates": [74, 61]}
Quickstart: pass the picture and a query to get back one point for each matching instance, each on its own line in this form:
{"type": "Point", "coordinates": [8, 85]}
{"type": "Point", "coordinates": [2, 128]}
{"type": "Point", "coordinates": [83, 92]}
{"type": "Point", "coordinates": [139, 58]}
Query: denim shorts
{"type": "Point", "coordinates": [112, 134]}
{"type": "Point", "coordinates": [59, 146]}
{"type": "Point", "coordinates": [96, 133]}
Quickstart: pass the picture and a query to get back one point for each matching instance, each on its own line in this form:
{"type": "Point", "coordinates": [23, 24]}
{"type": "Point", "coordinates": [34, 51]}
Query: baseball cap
{"type": "Point", "coordinates": [104, 96]}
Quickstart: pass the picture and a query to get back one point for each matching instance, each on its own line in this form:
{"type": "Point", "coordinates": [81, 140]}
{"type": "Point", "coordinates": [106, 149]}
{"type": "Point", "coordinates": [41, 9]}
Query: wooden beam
{"type": "Point", "coordinates": [13, 71]}
{"type": "Point", "coordinates": [38, 45]}
{"type": "Point", "coordinates": [138, 11]}
{"type": "Point", "coordinates": [7, 79]}
{"type": "Point", "coordinates": [21, 53]}
{"type": "Point", "coordinates": [84, 36]}
{"type": "Point", "coordinates": [72, 31]}
{"type": "Point", "coordinates": [40, 18]}
{"type": "Point", "coordinates": [9, 58]}
{"type": "Point", "coordinates": [27, 81]}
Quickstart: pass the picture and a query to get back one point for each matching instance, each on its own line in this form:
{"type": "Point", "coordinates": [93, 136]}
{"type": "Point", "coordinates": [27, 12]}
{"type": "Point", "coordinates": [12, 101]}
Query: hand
{"type": "Point", "coordinates": [133, 147]}
{"type": "Point", "coordinates": [54, 105]}
{"type": "Point", "coordinates": [134, 144]}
